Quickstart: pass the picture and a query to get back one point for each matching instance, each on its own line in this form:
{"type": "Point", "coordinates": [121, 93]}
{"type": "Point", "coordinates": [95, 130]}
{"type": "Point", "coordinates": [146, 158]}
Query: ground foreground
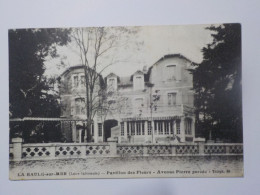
{"type": "Point", "coordinates": [195, 166]}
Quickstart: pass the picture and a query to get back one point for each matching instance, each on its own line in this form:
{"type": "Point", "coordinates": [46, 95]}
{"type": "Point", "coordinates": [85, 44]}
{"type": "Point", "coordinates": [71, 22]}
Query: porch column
{"type": "Point", "coordinates": [146, 131]}
{"type": "Point", "coordinates": [74, 133]}
{"type": "Point", "coordinates": [80, 135]}
{"type": "Point", "coordinates": [95, 131]}
{"type": "Point", "coordinates": [163, 127]}
{"type": "Point", "coordinates": [119, 138]}
{"type": "Point", "coordinates": [145, 128]}
{"type": "Point", "coordinates": [169, 127]}
{"type": "Point", "coordinates": [193, 127]}
{"type": "Point", "coordinates": [135, 127]}
{"type": "Point", "coordinates": [125, 130]}
{"type": "Point", "coordinates": [17, 148]}
{"type": "Point", "coordinates": [153, 132]}
{"type": "Point", "coordinates": [103, 132]}
{"type": "Point", "coordinates": [175, 127]}
{"type": "Point", "coordinates": [182, 128]}
{"type": "Point", "coordinates": [85, 136]}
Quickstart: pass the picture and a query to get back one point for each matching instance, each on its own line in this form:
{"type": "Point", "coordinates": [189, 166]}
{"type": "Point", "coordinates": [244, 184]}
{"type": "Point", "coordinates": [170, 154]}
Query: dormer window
{"type": "Point", "coordinates": [138, 82]}
{"type": "Point", "coordinates": [112, 83]}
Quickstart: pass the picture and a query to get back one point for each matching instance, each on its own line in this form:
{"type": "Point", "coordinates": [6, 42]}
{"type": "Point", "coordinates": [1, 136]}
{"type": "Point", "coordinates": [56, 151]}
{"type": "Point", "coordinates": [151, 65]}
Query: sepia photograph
{"type": "Point", "coordinates": [125, 102]}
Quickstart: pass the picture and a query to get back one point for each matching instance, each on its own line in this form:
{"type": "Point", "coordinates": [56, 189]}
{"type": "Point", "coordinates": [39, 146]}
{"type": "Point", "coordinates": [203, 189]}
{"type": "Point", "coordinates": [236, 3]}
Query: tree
{"type": "Point", "coordinates": [28, 88]}
{"type": "Point", "coordinates": [217, 84]}
{"type": "Point", "coordinates": [97, 48]}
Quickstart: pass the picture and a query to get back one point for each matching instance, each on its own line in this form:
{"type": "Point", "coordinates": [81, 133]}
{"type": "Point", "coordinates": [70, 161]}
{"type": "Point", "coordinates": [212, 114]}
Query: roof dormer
{"type": "Point", "coordinates": [138, 80]}
{"type": "Point", "coordinates": [111, 80]}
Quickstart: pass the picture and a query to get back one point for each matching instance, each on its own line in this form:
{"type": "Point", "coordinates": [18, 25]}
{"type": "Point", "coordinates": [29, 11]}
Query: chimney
{"type": "Point", "coordinates": [145, 69]}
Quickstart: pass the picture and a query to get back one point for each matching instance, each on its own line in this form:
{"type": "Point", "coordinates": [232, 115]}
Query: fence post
{"type": "Point", "coordinates": [83, 151]}
{"type": "Point", "coordinates": [145, 150]}
{"type": "Point", "coordinates": [17, 148]}
{"type": "Point", "coordinates": [201, 148]}
{"type": "Point", "coordinates": [52, 150]}
{"type": "Point", "coordinates": [227, 149]}
{"type": "Point", "coordinates": [113, 147]}
{"type": "Point", "coordinates": [173, 148]}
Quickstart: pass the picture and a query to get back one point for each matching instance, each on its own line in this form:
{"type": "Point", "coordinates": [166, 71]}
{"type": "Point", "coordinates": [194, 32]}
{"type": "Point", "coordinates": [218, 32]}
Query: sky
{"type": "Point", "coordinates": [144, 48]}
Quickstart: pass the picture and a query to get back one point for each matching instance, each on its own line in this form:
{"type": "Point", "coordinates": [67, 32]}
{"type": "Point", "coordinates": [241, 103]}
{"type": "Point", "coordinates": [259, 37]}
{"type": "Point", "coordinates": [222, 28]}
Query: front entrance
{"type": "Point", "coordinates": [108, 124]}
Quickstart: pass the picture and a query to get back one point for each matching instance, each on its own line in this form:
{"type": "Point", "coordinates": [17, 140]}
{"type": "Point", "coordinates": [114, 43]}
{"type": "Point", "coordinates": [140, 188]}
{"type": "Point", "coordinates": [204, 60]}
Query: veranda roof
{"type": "Point", "coordinates": [42, 119]}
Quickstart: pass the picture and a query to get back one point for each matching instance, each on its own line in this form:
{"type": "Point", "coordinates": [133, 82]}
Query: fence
{"type": "Point", "coordinates": [41, 151]}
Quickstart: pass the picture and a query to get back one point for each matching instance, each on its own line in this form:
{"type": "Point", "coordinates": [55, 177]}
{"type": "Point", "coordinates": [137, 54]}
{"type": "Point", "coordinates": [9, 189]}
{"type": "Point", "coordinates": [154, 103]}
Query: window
{"type": "Point", "coordinates": [100, 129]}
{"type": "Point", "coordinates": [142, 127]}
{"type": "Point", "coordinates": [171, 99]}
{"type": "Point", "coordinates": [159, 126]}
{"type": "Point", "coordinates": [132, 128]}
{"type": "Point", "coordinates": [149, 128]}
{"type": "Point", "coordinates": [188, 126]}
{"type": "Point", "coordinates": [75, 81]}
{"type": "Point", "coordinates": [122, 129]}
{"type": "Point", "coordinates": [111, 84]}
{"type": "Point", "coordinates": [171, 72]}
{"type": "Point", "coordinates": [171, 126]}
{"type": "Point", "coordinates": [138, 128]}
{"type": "Point", "coordinates": [166, 127]}
{"type": "Point", "coordinates": [128, 128]}
{"type": "Point", "coordinates": [155, 127]}
{"type": "Point", "coordinates": [82, 81]}
{"type": "Point", "coordinates": [80, 106]}
{"type": "Point", "coordinates": [178, 127]}
{"type": "Point", "coordinates": [135, 128]}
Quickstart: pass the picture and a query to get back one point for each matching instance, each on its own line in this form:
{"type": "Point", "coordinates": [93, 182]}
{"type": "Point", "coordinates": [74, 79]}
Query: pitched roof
{"type": "Point", "coordinates": [174, 55]}
{"type": "Point", "coordinates": [112, 75]}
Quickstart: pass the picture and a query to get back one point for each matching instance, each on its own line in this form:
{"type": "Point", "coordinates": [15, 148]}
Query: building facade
{"type": "Point", "coordinates": [153, 105]}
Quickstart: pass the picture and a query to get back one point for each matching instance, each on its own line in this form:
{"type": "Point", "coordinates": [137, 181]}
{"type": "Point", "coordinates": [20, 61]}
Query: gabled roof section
{"type": "Point", "coordinates": [174, 55]}
{"type": "Point", "coordinates": [72, 68]}
{"type": "Point", "coordinates": [76, 67]}
{"type": "Point", "coordinates": [79, 67]}
{"type": "Point", "coordinates": [138, 72]}
{"type": "Point", "coordinates": [147, 76]}
{"type": "Point", "coordinates": [111, 75]}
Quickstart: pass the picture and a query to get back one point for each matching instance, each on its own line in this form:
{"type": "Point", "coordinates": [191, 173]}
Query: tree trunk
{"type": "Point", "coordinates": [89, 136]}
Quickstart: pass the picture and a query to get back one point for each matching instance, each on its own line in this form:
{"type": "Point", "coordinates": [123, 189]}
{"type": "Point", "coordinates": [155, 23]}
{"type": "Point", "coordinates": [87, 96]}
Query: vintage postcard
{"type": "Point", "coordinates": [125, 102]}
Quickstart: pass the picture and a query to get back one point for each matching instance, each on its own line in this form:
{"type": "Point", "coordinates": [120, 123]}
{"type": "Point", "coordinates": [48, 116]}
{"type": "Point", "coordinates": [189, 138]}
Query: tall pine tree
{"type": "Point", "coordinates": [217, 84]}
{"type": "Point", "coordinates": [28, 49]}
{"type": "Point", "coordinates": [28, 87]}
